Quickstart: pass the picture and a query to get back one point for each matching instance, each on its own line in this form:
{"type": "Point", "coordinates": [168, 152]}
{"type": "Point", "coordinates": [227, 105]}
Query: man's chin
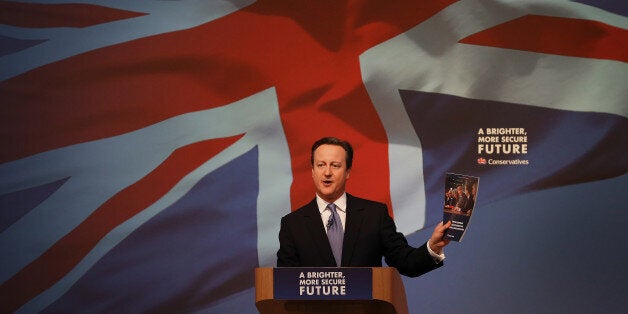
{"type": "Point", "coordinates": [331, 196]}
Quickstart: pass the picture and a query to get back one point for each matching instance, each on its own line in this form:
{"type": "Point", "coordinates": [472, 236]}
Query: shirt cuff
{"type": "Point", "coordinates": [437, 257]}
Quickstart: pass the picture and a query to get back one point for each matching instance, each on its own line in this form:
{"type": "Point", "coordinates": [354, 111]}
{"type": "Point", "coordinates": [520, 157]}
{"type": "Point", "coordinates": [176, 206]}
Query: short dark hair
{"type": "Point", "coordinates": [334, 141]}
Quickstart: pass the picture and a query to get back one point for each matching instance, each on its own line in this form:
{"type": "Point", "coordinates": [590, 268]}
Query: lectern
{"type": "Point", "coordinates": [305, 290]}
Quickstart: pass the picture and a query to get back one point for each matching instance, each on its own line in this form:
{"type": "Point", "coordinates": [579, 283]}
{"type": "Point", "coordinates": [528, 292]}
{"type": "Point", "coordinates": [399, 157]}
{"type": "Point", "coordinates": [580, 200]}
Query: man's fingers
{"type": "Point", "coordinates": [443, 226]}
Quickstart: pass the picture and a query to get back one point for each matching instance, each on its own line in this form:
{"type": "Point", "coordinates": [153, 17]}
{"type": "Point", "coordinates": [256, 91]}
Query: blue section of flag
{"type": "Point", "coordinates": [564, 147]}
{"type": "Point", "coordinates": [10, 45]}
{"type": "Point", "coordinates": [198, 250]}
{"type": "Point", "coordinates": [616, 6]}
{"type": "Point", "coordinates": [15, 205]}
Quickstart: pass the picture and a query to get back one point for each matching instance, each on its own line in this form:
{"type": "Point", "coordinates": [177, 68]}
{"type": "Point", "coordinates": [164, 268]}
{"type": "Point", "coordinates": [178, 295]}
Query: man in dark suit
{"type": "Point", "coordinates": [352, 231]}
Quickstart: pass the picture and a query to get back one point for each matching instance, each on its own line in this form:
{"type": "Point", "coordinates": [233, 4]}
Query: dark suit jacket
{"type": "Point", "coordinates": [370, 234]}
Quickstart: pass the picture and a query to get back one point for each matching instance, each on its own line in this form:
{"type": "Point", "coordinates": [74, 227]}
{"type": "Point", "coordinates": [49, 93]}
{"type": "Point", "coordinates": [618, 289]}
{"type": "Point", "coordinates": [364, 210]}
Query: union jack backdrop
{"type": "Point", "coordinates": [150, 148]}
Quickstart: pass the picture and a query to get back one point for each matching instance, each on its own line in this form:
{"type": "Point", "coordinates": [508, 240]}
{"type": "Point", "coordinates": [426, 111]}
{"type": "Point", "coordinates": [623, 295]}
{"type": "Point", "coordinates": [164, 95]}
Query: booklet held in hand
{"type": "Point", "coordinates": [460, 196]}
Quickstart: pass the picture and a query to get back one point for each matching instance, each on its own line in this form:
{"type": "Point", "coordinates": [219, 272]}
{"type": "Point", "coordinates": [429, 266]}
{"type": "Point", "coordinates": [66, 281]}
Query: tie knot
{"type": "Point", "coordinates": [332, 207]}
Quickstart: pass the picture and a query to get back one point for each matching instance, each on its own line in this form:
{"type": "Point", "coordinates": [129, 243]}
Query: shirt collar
{"type": "Point", "coordinates": [341, 203]}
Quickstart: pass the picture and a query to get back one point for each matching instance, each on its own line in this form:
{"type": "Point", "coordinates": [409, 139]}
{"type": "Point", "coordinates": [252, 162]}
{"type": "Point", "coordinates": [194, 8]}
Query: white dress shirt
{"type": "Point", "coordinates": [341, 208]}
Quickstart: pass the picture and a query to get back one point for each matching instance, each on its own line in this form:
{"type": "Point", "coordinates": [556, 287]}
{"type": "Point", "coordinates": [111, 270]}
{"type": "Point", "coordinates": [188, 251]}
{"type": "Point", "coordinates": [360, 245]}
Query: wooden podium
{"type": "Point", "coordinates": [388, 296]}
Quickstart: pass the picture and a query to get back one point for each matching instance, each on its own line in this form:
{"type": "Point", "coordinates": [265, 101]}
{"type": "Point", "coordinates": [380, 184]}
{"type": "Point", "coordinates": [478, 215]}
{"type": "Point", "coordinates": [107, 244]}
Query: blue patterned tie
{"type": "Point", "coordinates": [335, 233]}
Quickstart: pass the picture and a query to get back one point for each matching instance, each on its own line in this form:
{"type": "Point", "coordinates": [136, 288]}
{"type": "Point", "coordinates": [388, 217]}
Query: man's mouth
{"type": "Point", "coordinates": [327, 182]}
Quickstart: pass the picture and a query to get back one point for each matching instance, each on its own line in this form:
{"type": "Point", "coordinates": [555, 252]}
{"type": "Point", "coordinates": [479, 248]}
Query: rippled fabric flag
{"type": "Point", "coordinates": [150, 148]}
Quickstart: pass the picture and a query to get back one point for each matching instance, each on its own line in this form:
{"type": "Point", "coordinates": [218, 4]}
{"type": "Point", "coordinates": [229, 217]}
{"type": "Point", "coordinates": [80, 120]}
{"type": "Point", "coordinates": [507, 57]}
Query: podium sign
{"type": "Point", "coordinates": [338, 290]}
{"type": "Point", "coordinates": [323, 283]}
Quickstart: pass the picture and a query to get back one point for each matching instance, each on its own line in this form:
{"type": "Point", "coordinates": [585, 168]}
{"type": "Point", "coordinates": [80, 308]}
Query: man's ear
{"type": "Point", "coordinates": [348, 173]}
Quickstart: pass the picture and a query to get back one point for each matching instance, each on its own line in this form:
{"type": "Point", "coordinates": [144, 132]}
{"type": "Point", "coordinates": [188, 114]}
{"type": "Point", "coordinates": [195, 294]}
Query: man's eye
{"type": "Point", "coordinates": [336, 166]}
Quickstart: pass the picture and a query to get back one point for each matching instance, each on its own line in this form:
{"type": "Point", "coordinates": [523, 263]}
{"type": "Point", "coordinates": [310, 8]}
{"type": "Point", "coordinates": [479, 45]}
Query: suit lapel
{"type": "Point", "coordinates": [316, 229]}
{"type": "Point", "coordinates": [355, 215]}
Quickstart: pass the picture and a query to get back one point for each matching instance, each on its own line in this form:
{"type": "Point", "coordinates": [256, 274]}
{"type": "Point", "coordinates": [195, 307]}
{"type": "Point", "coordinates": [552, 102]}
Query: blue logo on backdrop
{"type": "Point", "coordinates": [323, 283]}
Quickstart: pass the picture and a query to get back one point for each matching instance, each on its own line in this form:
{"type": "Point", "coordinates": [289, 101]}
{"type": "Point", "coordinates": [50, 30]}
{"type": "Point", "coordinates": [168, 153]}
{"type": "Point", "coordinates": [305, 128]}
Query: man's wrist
{"type": "Point", "coordinates": [438, 257]}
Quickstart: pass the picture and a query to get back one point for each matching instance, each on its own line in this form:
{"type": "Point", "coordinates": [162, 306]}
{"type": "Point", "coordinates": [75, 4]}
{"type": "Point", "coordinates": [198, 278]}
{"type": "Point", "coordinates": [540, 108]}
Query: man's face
{"type": "Point", "coordinates": [329, 171]}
